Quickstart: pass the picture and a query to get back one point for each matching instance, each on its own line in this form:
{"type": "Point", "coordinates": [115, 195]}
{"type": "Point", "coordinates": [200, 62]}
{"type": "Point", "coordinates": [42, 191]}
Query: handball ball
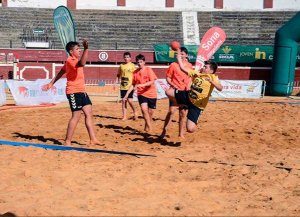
{"type": "Point", "coordinates": [175, 45]}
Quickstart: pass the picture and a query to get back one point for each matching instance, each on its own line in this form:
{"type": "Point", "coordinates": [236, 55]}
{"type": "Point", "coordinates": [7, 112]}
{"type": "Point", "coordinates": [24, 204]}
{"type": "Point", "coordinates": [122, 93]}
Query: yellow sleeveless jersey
{"type": "Point", "coordinates": [201, 89]}
{"type": "Point", "coordinates": [126, 74]}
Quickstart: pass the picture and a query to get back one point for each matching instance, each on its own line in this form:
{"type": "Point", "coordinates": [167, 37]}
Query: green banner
{"type": "Point", "coordinates": [225, 54]}
{"type": "Point", "coordinates": [64, 25]}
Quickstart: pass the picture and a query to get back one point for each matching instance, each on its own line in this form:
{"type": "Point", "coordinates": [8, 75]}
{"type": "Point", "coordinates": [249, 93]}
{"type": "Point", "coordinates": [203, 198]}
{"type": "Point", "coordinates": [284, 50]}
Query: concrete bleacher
{"type": "Point", "coordinates": [140, 29]}
{"type": "Point", "coordinates": [14, 20]}
{"type": "Point", "coordinates": [246, 28]}
{"type": "Point", "coordinates": [128, 29]}
{"type": "Point", "coordinates": [103, 29]}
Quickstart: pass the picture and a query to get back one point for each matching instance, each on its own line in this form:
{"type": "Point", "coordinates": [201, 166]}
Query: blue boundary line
{"type": "Point", "coordinates": [70, 148]}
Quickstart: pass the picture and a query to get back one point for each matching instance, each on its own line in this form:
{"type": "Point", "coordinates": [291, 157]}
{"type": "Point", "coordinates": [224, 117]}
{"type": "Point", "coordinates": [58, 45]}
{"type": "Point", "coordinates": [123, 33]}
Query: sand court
{"type": "Point", "coordinates": [243, 160]}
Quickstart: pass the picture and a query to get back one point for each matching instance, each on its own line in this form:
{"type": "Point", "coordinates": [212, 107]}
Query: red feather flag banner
{"type": "Point", "coordinates": [210, 43]}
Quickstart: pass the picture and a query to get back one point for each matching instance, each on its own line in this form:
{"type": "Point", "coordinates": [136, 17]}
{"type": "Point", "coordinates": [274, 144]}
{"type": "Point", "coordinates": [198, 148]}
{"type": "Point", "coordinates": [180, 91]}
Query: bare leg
{"type": "Point", "coordinates": [191, 126]}
{"type": "Point", "coordinates": [124, 110]}
{"type": "Point", "coordinates": [150, 110]}
{"type": "Point", "coordinates": [71, 126]}
{"type": "Point", "coordinates": [182, 117]}
{"type": "Point", "coordinates": [135, 115]}
{"type": "Point", "coordinates": [147, 117]}
{"type": "Point", "coordinates": [89, 124]}
{"type": "Point", "coordinates": [167, 120]}
{"type": "Point", "coordinates": [171, 94]}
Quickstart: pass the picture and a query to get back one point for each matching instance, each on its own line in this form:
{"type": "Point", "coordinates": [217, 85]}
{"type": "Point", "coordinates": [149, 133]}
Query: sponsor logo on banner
{"type": "Point", "coordinates": [227, 53]}
{"type": "Point", "coordinates": [260, 54]}
{"type": "Point", "coordinates": [23, 91]}
{"type": "Point", "coordinates": [246, 54]}
{"type": "Point", "coordinates": [227, 57]}
{"type": "Point", "coordinates": [239, 89]}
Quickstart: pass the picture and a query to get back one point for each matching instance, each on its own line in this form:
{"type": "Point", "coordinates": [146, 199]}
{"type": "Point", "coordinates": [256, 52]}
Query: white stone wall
{"type": "Point", "coordinates": [149, 4]}
{"type": "Point", "coordinates": [36, 3]}
{"type": "Point", "coordinates": [232, 5]}
{"type": "Point", "coordinates": [194, 5]}
{"type": "Point", "coordinates": [286, 4]}
{"type": "Point", "coordinates": [96, 4]}
{"type": "Point", "coordinates": [179, 5]}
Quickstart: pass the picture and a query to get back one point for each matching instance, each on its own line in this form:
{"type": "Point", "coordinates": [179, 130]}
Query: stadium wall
{"type": "Point", "coordinates": [33, 64]}
{"type": "Point", "coordinates": [162, 5]}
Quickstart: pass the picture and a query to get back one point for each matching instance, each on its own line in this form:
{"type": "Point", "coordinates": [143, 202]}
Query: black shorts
{"type": "Point", "coordinates": [182, 99]}
{"type": "Point", "coordinates": [123, 93]}
{"type": "Point", "coordinates": [171, 103]}
{"type": "Point", "coordinates": [151, 102]}
{"type": "Point", "coordinates": [78, 100]}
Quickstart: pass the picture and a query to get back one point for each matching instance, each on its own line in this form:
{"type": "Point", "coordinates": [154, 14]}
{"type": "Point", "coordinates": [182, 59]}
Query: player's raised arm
{"type": "Point", "coordinates": [84, 55]}
{"type": "Point", "coordinates": [217, 85]}
{"type": "Point", "coordinates": [180, 62]}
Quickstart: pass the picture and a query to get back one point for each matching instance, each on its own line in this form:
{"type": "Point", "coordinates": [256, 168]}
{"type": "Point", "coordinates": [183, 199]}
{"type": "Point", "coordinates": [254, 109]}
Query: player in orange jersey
{"type": "Point", "coordinates": [143, 82]}
{"type": "Point", "coordinates": [78, 99]}
{"type": "Point", "coordinates": [177, 79]}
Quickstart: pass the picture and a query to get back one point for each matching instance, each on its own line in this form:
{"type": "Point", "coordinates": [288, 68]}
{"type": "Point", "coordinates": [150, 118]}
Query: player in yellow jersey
{"type": "Point", "coordinates": [197, 97]}
{"type": "Point", "coordinates": [125, 74]}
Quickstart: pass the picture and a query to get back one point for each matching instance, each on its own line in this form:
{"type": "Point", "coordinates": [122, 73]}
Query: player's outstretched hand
{"type": "Point", "coordinates": [178, 54]}
{"type": "Point", "coordinates": [85, 44]}
{"type": "Point", "coordinates": [46, 87]}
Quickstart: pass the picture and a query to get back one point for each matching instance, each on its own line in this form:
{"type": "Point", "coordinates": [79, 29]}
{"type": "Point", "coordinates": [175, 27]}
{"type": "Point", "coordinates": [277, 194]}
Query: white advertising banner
{"type": "Point", "coordinates": [239, 89]}
{"type": "Point", "coordinates": [2, 93]}
{"type": "Point", "coordinates": [231, 89]}
{"type": "Point", "coordinates": [161, 86]}
{"type": "Point", "coordinates": [30, 92]}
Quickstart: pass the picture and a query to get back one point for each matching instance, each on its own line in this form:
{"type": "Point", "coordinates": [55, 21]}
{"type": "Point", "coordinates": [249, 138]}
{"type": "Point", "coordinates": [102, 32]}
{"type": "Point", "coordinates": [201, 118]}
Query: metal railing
{"type": "Point", "coordinates": [102, 87]}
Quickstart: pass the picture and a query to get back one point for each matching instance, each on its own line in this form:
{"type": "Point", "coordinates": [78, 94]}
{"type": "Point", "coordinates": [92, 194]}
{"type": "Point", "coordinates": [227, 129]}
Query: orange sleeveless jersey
{"type": "Point", "coordinates": [142, 77]}
{"type": "Point", "coordinates": [75, 76]}
{"type": "Point", "coordinates": [178, 77]}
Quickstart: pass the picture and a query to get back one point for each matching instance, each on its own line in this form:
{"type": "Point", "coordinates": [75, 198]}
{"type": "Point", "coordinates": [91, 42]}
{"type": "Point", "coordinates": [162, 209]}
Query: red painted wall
{"type": "Point", "coordinates": [30, 73]}
{"type": "Point", "coordinates": [268, 3]}
{"type": "Point", "coordinates": [121, 2]}
{"type": "Point", "coordinates": [71, 4]}
{"type": "Point", "coordinates": [110, 72]}
{"type": "Point", "coordinates": [101, 71]}
{"type": "Point", "coordinates": [60, 55]}
{"type": "Point", "coordinates": [170, 3]}
{"type": "Point", "coordinates": [219, 4]}
{"type": "Point", "coordinates": [4, 71]}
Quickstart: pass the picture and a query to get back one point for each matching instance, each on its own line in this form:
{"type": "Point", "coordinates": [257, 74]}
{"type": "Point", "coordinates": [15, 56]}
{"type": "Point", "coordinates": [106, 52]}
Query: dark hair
{"type": "Point", "coordinates": [126, 54]}
{"type": "Point", "coordinates": [140, 57]}
{"type": "Point", "coordinates": [212, 65]}
{"type": "Point", "coordinates": [183, 49]}
{"type": "Point", "coordinates": [70, 45]}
